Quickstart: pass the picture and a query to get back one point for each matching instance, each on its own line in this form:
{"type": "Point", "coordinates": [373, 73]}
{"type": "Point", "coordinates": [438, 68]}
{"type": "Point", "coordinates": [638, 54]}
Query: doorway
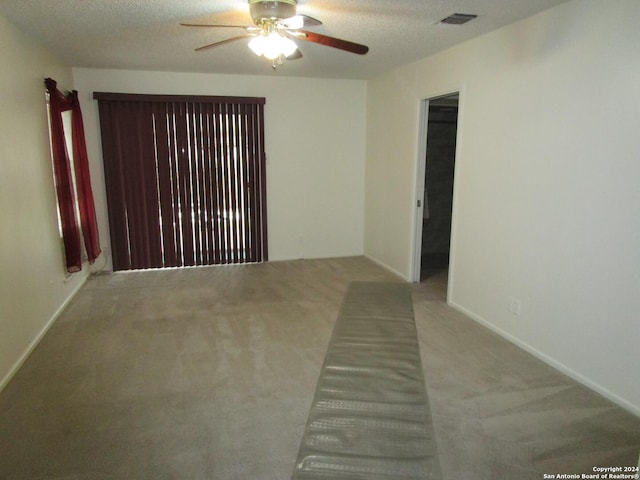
{"type": "Point", "coordinates": [435, 185]}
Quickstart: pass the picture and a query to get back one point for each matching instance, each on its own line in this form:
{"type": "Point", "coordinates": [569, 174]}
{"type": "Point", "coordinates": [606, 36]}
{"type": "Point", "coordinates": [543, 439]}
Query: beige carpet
{"type": "Point", "coordinates": [209, 374]}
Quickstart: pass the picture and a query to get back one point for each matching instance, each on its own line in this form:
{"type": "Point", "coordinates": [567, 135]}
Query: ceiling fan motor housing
{"type": "Point", "coordinates": [271, 9]}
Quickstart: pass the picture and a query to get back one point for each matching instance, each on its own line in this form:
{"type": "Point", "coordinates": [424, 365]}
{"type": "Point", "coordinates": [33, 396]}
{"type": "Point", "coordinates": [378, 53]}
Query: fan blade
{"type": "Point", "coordinates": [310, 21]}
{"type": "Point", "coordinates": [299, 21]}
{"type": "Point", "coordinates": [228, 40]}
{"type": "Point", "coordinates": [249, 28]}
{"type": "Point", "coordinates": [332, 42]}
{"type": "Point", "coordinates": [295, 55]}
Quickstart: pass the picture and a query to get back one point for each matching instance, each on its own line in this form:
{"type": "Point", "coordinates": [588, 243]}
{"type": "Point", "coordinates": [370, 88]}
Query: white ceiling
{"type": "Point", "coordinates": [146, 35]}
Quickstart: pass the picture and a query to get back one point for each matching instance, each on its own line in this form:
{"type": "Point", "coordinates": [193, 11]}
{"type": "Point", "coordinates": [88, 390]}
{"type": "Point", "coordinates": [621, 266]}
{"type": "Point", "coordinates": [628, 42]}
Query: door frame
{"type": "Point", "coordinates": [421, 169]}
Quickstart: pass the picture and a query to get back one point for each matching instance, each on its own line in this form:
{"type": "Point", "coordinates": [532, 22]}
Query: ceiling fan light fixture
{"type": "Point", "coordinates": [271, 9]}
{"type": "Point", "coordinates": [257, 44]}
{"type": "Point", "coordinates": [275, 28]}
{"type": "Point", "coordinates": [272, 46]}
{"type": "Point", "coordinates": [288, 46]}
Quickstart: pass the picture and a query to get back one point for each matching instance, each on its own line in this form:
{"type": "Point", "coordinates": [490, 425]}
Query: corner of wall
{"type": "Point", "coordinates": [40, 335]}
{"type": "Point", "coordinates": [608, 394]}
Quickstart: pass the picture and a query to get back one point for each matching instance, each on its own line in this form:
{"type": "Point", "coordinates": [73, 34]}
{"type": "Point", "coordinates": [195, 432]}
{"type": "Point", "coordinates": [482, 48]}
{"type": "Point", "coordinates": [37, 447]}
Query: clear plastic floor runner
{"type": "Point", "coordinates": [370, 415]}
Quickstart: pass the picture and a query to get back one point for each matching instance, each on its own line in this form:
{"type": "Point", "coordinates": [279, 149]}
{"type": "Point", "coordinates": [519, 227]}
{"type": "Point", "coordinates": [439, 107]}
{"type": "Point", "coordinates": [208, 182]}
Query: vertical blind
{"type": "Point", "coordinates": [185, 179]}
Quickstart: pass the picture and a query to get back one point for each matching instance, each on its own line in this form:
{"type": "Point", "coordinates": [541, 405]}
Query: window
{"type": "Point", "coordinates": [76, 211]}
{"type": "Point", "coordinates": [185, 179]}
{"type": "Point", "coordinates": [66, 125]}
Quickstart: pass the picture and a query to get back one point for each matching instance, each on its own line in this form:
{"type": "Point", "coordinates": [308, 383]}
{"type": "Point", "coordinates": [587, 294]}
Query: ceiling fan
{"type": "Point", "coordinates": [276, 25]}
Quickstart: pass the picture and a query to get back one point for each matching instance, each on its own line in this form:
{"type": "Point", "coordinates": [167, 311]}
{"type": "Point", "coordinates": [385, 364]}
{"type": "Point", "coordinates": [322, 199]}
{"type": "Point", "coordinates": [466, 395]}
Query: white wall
{"type": "Point", "coordinates": [315, 143]}
{"type": "Point", "coordinates": [547, 195]}
{"type": "Point", "coordinates": [32, 275]}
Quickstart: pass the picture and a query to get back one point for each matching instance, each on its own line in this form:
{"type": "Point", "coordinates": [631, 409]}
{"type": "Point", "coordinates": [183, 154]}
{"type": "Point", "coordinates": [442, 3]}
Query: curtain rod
{"type": "Point", "coordinates": [135, 97]}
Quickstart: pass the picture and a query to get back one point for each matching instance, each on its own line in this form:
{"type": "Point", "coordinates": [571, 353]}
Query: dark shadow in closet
{"type": "Point", "coordinates": [438, 197]}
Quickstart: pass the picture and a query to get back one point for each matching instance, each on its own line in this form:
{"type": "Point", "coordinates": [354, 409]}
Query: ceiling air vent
{"type": "Point", "coordinates": [458, 18]}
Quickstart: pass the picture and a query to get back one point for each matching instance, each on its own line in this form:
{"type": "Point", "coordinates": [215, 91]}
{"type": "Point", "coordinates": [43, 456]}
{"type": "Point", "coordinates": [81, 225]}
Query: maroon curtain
{"type": "Point", "coordinates": [83, 182]}
{"type": "Point", "coordinates": [58, 103]}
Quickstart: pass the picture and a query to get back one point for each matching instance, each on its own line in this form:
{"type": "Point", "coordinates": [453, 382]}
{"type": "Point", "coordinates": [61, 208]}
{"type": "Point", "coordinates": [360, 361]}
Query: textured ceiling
{"type": "Point", "coordinates": [146, 35]}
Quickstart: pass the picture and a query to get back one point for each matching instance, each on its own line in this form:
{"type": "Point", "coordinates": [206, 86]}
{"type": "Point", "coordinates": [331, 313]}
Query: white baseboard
{"type": "Point", "coordinates": [387, 267]}
{"type": "Point", "coordinates": [36, 340]}
{"type": "Point", "coordinates": [578, 377]}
